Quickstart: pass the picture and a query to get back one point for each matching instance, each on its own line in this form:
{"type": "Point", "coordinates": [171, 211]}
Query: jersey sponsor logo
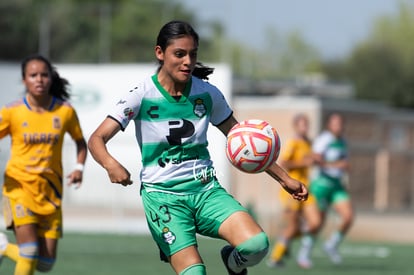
{"type": "Point", "coordinates": [179, 130]}
{"type": "Point", "coordinates": [199, 108]}
{"type": "Point", "coordinates": [151, 113]}
{"type": "Point", "coordinates": [180, 160]}
{"type": "Point", "coordinates": [163, 161]}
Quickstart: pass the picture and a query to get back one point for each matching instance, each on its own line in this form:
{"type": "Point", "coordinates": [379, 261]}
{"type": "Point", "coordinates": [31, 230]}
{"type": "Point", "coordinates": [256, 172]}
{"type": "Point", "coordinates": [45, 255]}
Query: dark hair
{"type": "Point", "coordinates": [59, 87]}
{"type": "Point", "coordinates": [176, 29]}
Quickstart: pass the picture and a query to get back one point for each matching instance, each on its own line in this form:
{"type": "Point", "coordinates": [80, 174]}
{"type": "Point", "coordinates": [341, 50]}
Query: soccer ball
{"type": "Point", "coordinates": [252, 145]}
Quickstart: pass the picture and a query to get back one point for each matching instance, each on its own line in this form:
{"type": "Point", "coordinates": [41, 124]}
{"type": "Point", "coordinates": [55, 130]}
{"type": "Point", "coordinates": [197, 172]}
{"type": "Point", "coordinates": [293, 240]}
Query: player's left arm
{"type": "Point", "coordinates": [76, 177]}
{"type": "Point", "coordinates": [292, 186]}
{"type": "Point", "coordinates": [75, 131]}
{"type": "Point", "coordinates": [226, 125]}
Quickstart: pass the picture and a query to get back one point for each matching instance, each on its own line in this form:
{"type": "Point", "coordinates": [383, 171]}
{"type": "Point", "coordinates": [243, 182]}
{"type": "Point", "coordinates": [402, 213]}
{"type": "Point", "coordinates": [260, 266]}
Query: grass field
{"type": "Point", "coordinates": [106, 254]}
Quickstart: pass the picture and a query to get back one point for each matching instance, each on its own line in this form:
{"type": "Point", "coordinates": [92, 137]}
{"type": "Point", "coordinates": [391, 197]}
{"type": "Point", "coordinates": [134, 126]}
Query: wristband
{"type": "Point", "coordinates": [79, 167]}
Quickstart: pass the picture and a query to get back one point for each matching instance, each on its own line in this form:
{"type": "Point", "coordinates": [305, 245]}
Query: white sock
{"type": "Point", "coordinates": [306, 246]}
{"type": "Point", "coordinates": [335, 239]}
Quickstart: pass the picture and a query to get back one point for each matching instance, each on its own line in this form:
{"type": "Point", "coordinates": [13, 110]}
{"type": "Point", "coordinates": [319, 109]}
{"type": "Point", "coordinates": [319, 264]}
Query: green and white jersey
{"type": "Point", "coordinates": [332, 149]}
{"type": "Point", "coordinates": [172, 134]}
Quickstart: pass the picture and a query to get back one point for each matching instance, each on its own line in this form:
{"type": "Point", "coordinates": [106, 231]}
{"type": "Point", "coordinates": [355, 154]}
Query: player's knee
{"type": "Point", "coordinates": [45, 264]}
{"type": "Point", "coordinates": [254, 249]}
{"type": "Point", "coordinates": [195, 269]}
{"type": "Point", "coordinates": [28, 250]}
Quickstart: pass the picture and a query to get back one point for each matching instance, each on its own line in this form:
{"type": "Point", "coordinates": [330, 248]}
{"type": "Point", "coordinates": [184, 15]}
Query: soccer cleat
{"type": "Point", "coordinates": [304, 262]}
{"type": "Point", "coordinates": [3, 244]}
{"type": "Point", "coordinates": [303, 259]}
{"type": "Point", "coordinates": [225, 254]}
{"type": "Point", "coordinates": [332, 253]}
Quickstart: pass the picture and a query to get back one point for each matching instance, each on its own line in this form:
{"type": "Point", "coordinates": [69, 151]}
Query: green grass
{"type": "Point", "coordinates": [106, 254]}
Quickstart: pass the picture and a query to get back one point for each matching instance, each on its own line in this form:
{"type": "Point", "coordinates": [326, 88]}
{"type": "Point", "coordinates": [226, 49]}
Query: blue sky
{"type": "Point", "coordinates": [332, 26]}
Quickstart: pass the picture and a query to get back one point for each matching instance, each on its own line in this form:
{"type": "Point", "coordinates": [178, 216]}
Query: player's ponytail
{"type": "Point", "coordinates": [59, 86]}
{"type": "Point", "coordinates": [202, 71]}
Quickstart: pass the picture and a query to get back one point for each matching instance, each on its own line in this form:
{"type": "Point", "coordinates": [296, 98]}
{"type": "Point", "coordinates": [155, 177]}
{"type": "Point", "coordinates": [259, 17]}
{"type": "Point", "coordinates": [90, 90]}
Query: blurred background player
{"type": "Point", "coordinates": [297, 159]}
{"type": "Point", "coordinates": [331, 158]}
{"type": "Point", "coordinates": [32, 189]}
{"type": "Point", "coordinates": [172, 110]}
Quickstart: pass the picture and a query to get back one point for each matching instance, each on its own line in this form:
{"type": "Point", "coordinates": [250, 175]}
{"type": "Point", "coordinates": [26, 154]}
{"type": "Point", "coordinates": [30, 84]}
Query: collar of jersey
{"type": "Point", "coordinates": [183, 98]}
{"type": "Point", "coordinates": [52, 104]}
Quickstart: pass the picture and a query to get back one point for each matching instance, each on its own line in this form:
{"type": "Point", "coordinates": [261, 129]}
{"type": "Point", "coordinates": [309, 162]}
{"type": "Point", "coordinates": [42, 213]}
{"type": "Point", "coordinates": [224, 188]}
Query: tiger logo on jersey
{"type": "Point", "coordinates": [56, 123]}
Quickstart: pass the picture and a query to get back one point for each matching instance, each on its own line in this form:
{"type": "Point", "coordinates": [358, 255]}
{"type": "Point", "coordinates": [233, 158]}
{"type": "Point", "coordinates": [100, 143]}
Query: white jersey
{"type": "Point", "coordinates": [332, 149]}
{"type": "Point", "coordinates": [172, 134]}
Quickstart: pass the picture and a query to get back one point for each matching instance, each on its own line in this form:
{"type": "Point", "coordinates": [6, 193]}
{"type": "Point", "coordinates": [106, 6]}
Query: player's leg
{"type": "Point", "coordinates": [343, 207]}
{"type": "Point", "coordinates": [47, 254]}
{"type": "Point", "coordinates": [27, 241]}
{"type": "Point", "coordinates": [320, 191]}
{"type": "Point", "coordinates": [313, 221]}
{"type": "Point", "coordinates": [291, 217]}
{"type": "Point", "coordinates": [248, 243]}
{"type": "Point", "coordinates": [172, 226]}
{"type": "Point", "coordinates": [48, 236]}
{"type": "Point", "coordinates": [24, 224]}
{"type": "Point", "coordinates": [8, 249]}
{"type": "Point", "coordinates": [312, 215]}
{"type": "Point", "coordinates": [187, 261]}
{"type": "Point", "coordinates": [219, 215]}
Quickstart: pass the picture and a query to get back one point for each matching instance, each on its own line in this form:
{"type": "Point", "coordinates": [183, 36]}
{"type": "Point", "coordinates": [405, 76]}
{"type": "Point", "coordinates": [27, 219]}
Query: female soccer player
{"type": "Point", "coordinates": [331, 154]}
{"type": "Point", "coordinates": [181, 196]}
{"type": "Point", "coordinates": [297, 159]}
{"type": "Point", "coordinates": [32, 189]}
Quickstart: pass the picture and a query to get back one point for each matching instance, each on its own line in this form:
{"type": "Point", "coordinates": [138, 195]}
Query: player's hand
{"type": "Point", "coordinates": [75, 178]}
{"type": "Point", "coordinates": [296, 189]}
{"type": "Point", "coordinates": [300, 194]}
{"type": "Point", "coordinates": [118, 174]}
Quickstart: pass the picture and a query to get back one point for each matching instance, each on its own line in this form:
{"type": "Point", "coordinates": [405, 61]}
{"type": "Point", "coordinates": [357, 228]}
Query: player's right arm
{"type": "Point", "coordinates": [97, 146]}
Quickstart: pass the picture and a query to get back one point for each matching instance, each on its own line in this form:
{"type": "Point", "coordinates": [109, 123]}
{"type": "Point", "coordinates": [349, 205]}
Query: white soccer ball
{"type": "Point", "coordinates": [252, 145]}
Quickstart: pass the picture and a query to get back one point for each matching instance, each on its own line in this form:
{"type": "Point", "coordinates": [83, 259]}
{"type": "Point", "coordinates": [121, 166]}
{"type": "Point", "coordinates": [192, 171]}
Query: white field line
{"type": "Point", "coordinates": [359, 251]}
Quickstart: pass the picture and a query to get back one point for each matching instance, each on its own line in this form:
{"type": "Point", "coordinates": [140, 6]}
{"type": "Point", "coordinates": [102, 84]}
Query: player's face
{"type": "Point", "coordinates": [336, 125]}
{"type": "Point", "coordinates": [37, 78]}
{"type": "Point", "coordinates": [302, 127]}
{"type": "Point", "coordinates": [179, 59]}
